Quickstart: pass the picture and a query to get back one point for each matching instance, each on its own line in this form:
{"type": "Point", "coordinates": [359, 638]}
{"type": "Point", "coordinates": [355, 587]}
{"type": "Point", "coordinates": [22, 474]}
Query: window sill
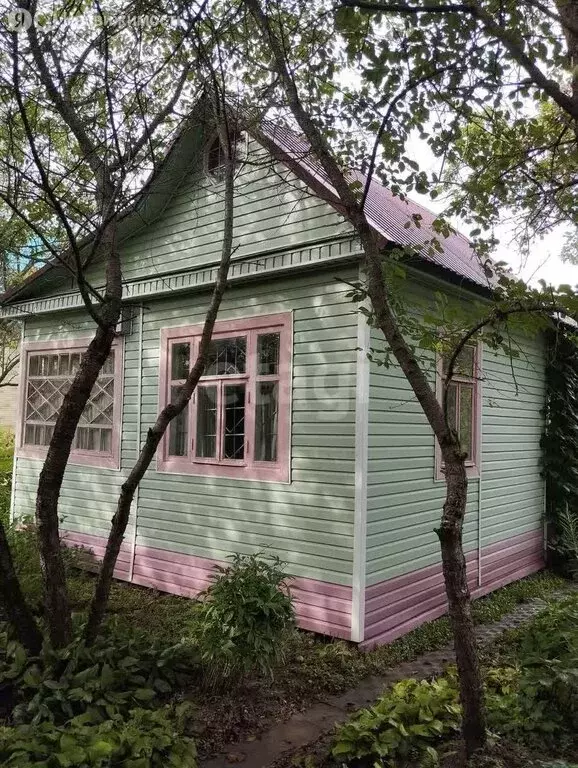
{"type": "Point", "coordinates": [76, 459]}
{"type": "Point", "coordinates": [258, 473]}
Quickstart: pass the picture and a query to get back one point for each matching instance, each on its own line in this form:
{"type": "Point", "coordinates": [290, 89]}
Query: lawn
{"type": "Point", "coordinates": [312, 666]}
{"type": "Point", "coordinates": [531, 695]}
{"type": "Point", "coordinates": [176, 677]}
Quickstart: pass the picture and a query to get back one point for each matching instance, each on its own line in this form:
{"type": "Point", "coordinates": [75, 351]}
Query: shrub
{"type": "Point", "coordinates": [145, 739]}
{"type": "Point", "coordinates": [548, 654]}
{"type": "Point", "coordinates": [123, 670]}
{"type": "Point", "coordinates": [405, 723]}
{"type": "Point", "coordinates": [242, 620]}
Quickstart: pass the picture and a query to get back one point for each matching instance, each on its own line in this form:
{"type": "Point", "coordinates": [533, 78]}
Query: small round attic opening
{"type": "Point", "coordinates": [215, 156]}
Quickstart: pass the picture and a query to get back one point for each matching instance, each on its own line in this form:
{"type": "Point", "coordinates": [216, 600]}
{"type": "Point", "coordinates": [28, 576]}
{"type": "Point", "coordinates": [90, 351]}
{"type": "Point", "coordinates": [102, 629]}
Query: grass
{"type": "Point", "coordinates": [6, 461]}
{"type": "Point", "coordinates": [313, 665]}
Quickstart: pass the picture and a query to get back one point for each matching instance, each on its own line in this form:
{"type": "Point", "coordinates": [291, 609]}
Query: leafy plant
{"type": "Point", "coordinates": [406, 722]}
{"type": "Point", "coordinates": [121, 671]}
{"type": "Point", "coordinates": [560, 449]}
{"type": "Point", "coordinates": [567, 543]}
{"type": "Point", "coordinates": [541, 694]}
{"type": "Point", "coordinates": [242, 621]}
{"type": "Point", "coordinates": [145, 739]}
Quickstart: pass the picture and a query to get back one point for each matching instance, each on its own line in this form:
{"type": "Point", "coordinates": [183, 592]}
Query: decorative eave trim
{"type": "Point", "coordinates": [202, 277]}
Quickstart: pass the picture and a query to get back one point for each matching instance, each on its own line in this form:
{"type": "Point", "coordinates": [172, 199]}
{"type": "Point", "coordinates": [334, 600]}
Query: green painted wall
{"type": "Point", "coordinates": [308, 523]}
{"type": "Point", "coordinates": [88, 494]}
{"type": "Point", "coordinates": [273, 210]}
{"type": "Point", "coordinates": [404, 500]}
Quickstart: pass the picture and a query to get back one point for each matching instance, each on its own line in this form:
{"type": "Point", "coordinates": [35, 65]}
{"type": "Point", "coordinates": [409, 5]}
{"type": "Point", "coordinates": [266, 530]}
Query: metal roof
{"type": "Point", "coordinates": [389, 214]}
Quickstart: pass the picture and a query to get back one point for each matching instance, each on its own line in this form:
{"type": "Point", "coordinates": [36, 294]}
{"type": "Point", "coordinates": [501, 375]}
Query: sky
{"type": "Point", "coordinates": [542, 263]}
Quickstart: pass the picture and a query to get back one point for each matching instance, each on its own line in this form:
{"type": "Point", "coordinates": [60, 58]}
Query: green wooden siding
{"type": "Point", "coordinates": [88, 493]}
{"type": "Point", "coordinates": [308, 523]}
{"type": "Point", "coordinates": [404, 500]}
{"type": "Point", "coordinates": [273, 210]}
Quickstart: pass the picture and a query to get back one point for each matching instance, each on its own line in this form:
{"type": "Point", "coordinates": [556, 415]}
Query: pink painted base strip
{"type": "Point", "coordinates": [320, 606]}
{"type": "Point", "coordinates": [94, 547]}
{"type": "Point", "coordinates": [396, 606]}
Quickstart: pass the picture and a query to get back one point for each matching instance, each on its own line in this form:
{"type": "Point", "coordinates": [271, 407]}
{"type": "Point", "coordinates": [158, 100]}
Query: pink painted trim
{"type": "Point", "coordinates": [101, 459]}
{"type": "Point", "coordinates": [95, 546]}
{"type": "Point", "coordinates": [249, 468]}
{"type": "Point", "coordinates": [398, 605]}
{"type": "Point", "coordinates": [319, 606]}
{"type": "Point", "coordinates": [473, 467]}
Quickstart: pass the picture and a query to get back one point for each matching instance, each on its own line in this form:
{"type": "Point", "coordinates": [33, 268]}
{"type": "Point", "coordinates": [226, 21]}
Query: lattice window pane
{"type": "Point", "coordinates": [180, 361]}
{"type": "Point", "coordinates": [49, 378]}
{"type": "Point", "coordinates": [268, 354]}
{"type": "Point", "coordinates": [464, 365]}
{"type": "Point", "coordinates": [106, 440]}
{"type": "Point", "coordinates": [178, 430]}
{"type": "Point", "coordinates": [227, 357]}
{"type": "Point", "coordinates": [206, 443]}
{"type": "Point", "coordinates": [234, 421]}
{"type": "Point", "coordinates": [467, 418]}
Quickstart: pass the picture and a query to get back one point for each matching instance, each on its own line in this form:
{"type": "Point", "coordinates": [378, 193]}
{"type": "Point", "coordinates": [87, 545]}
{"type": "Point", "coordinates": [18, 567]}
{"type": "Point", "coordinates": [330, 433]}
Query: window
{"type": "Point", "coordinates": [464, 404]}
{"type": "Point", "coordinates": [215, 157]}
{"type": "Point", "coordinates": [48, 372]}
{"type": "Point", "coordinates": [237, 423]}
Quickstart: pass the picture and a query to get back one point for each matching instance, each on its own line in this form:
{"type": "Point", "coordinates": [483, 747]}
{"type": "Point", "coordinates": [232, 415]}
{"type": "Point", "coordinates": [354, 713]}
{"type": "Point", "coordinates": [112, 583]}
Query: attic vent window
{"type": "Point", "coordinates": [215, 157]}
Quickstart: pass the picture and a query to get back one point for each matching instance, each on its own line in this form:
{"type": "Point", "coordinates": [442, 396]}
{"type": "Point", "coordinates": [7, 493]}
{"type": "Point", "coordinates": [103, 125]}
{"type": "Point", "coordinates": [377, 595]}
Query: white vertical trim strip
{"type": "Point", "coordinates": [137, 441]}
{"type": "Point", "coordinates": [361, 451]}
{"type": "Point", "coordinates": [19, 417]}
{"type": "Point", "coordinates": [480, 458]}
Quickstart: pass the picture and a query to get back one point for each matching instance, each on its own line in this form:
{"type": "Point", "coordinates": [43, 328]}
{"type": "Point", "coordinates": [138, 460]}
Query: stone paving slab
{"type": "Point", "coordinates": [307, 727]}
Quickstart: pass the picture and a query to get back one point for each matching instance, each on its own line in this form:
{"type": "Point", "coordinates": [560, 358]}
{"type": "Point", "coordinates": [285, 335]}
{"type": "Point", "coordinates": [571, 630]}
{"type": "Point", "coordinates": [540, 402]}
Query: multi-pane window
{"type": "Point", "coordinates": [463, 399]}
{"type": "Point", "coordinates": [49, 373]}
{"type": "Point", "coordinates": [215, 157]}
{"type": "Point", "coordinates": [237, 421]}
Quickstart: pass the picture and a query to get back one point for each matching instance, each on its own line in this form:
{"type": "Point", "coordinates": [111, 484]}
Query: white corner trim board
{"type": "Point", "coordinates": [361, 451]}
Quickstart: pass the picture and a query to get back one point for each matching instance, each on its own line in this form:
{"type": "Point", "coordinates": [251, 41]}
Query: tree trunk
{"type": "Point", "coordinates": [568, 10]}
{"type": "Point", "coordinates": [13, 604]}
{"type": "Point", "coordinates": [57, 606]}
{"type": "Point", "coordinates": [459, 603]}
{"type": "Point", "coordinates": [156, 432]}
{"type": "Point", "coordinates": [385, 319]}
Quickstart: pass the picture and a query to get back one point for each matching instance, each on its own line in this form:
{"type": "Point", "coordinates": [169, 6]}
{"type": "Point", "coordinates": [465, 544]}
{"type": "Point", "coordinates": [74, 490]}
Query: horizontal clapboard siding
{"type": "Point", "coordinates": [319, 607]}
{"type": "Point", "coordinates": [309, 522]}
{"type": "Point", "coordinates": [514, 394]}
{"type": "Point", "coordinates": [396, 606]}
{"type": "Point", "coordinates": [403, 571]}
{"type": "Point", "coordinates": [273, 210]}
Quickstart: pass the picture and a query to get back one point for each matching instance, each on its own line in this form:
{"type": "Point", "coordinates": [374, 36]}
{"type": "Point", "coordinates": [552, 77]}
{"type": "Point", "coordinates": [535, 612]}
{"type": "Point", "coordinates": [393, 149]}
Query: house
{"type": "Point", "coordinates": [296, 443]}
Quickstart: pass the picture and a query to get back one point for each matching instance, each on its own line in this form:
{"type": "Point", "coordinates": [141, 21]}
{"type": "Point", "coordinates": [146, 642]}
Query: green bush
{"type": "Point", "coordinates": [532, 697]}
{"type": "Point", "coordinates": [123, 670]}
{"type": "Point", "coordinates": [144, 739]}
{"type": "Point", "coordinates": [548, 657]}
{"type": "Point", "coordinates": [405, 723]}
{"type": "Point", "coordinates": [243, 618]}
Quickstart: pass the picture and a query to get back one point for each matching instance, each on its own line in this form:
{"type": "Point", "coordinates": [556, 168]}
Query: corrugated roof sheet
{"type": "Point", "coordinates": [389, 214]}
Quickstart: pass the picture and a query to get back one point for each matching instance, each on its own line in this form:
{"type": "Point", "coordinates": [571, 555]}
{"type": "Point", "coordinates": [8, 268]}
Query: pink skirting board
{"type": "Point", "coordinates": [392, 607]}
{"type": "Point", "coordinates": [396, 606]}
{"type": "Point", "coordinates": [320, 606]}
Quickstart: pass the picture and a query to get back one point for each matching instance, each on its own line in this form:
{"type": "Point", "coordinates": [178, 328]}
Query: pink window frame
{"type": "Point", "coordinates": [248, 468]}
{"type": "Point", "coordinates": [101, 459]}
{"type": "Point", "coordinates": [472, 465]}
